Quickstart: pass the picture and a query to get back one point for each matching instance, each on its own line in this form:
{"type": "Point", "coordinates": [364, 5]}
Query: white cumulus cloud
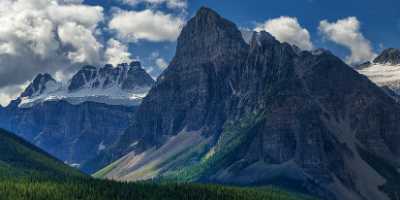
{"type": "Point", "coordinates": [287, 29]}
{"type": "Point", "coordinates": [87, 16]}
{"type": "Point", "coordinates": [154, 26]}
{"type": "Point", "coordinates": [85, 45]}
{"type": "Point", "coordinates": [117, 52]}
{"type": "Point", "coordinates": [346, 32]}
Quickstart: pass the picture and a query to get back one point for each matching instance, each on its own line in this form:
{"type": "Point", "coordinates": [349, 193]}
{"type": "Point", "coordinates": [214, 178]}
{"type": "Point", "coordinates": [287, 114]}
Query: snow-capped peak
{"type": "Point", "coordinates": [126, 77]}
{"type": "Point", "coordinates": [384, 70]}
{"type": "Point", "coordinates": [124, 84]}
{"type": "Point", "coordinates": [43, 83]}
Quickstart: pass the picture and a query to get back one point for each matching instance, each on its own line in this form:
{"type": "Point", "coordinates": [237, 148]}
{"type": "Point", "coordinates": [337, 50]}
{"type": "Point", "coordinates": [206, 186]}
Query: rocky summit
{"type": "Point", "coordinates": [261, 112]}
{"type": "Point", "coordinates": [389, 56]}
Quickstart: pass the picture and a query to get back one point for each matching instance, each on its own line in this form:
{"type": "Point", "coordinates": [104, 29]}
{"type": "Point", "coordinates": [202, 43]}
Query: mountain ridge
{"type": "Point", "coordinates": [124, 84]}
{"type": "Point", "coordinates": [259, 113]}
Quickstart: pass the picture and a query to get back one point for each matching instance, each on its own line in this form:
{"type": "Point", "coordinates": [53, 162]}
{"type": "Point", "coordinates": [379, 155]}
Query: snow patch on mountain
{"type": "Point", "coordinates": [112, 96]}
{"type": "Point", "coordinates": [122, 85]}
{"type": "Point", "coordinates": [383, 75]}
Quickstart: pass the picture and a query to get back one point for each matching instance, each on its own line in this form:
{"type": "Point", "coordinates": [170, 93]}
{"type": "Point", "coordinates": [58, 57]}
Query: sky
{"type": "Point", "coordinates": [60, 36]}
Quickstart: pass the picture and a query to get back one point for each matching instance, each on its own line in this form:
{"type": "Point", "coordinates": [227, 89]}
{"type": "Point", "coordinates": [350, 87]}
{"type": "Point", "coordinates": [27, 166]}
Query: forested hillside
{"type": "Point", "coordinates": [28, 173]}
{"type": "Point", "coordinates": [20, 159]}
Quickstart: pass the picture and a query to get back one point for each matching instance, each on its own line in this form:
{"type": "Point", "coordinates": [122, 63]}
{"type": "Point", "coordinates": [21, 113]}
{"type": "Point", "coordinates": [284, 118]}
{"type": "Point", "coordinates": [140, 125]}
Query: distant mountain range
{"type": "Point", "coordinates": [258, 112]}
{"type": "Point", "coordinates": [121, 85]}
{"type": "Point", "coordinates": [77, 120]}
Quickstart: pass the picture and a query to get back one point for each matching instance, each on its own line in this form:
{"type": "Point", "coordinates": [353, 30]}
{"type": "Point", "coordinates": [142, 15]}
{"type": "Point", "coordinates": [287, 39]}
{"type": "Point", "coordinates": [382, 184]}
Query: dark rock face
{"type": "Point", "coordinates": [84, 75]}
{"type": "Point", "coordinates": [128, 77]}
{"type": "Point", "coordinates": [314, 115]}
{"type": "Point", "coordinates": [391, 93]}
{"type": "Point", "coordinates": [389, 56]}
{"type": "Point", "coordinates": [72, 133]}
{"type": "Point", "coordinates": [136, 76]}
{"type": "Point", "coordinates": [196, 84]}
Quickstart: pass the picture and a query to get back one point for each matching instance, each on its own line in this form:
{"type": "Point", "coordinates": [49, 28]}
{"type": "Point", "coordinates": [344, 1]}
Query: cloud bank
{"type": "Point", "coordinates": [117, 53]}
{"type": "Point", "coordinates": [287, 29]}
{"type": "Point", "coordinates": [346, 32]}
{"type": "Point", "coordinates": [149, 25]}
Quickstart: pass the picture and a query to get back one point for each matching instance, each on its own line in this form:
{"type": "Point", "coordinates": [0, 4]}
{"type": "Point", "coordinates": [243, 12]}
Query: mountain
{"type": "Point", "coordinates": [259, 113]}
{"type": "Point", "coordinates": [121, 85]}
{"type": "Point", "coordinates": [384, 70]}
{"type": "Point", "coordinates": [20, 159]}
{"type": "Point", "coordinates": [76, 121]}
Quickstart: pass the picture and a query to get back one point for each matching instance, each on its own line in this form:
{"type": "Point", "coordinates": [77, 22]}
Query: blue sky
{"type": "Point", "coordinates": [59, 36]}
{"type": "Point", "coordinates": [380, 20]}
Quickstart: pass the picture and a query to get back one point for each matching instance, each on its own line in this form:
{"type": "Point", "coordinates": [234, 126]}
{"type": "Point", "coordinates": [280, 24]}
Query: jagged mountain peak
{"type": "Point", "coordinates": [40, 84]}
{"type": "Point", "coordinates": [207, 14]}
{"type": "Point", "coordinates": [207, 21]}
{"type": "Point", "coordinates": [209, 35]}
{"type": "Point", "coordinates": [389, 56]}
{"type": "Point", "coordinates": [124, 84]}
{"type": "Point", "coordinates": [125, 76]}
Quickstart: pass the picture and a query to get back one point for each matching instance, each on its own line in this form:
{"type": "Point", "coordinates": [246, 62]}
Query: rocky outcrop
{"type": "Point", "coordinates": [389, 56]}
{"type": "Point", "coordinates": [225, 111]}
{"type": "Point", "coordinates": [41, 84]}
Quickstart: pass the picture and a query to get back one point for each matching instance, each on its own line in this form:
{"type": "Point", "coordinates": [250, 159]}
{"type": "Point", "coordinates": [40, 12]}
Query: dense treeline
{"type": "Point", "coordinates": [92, 189]}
